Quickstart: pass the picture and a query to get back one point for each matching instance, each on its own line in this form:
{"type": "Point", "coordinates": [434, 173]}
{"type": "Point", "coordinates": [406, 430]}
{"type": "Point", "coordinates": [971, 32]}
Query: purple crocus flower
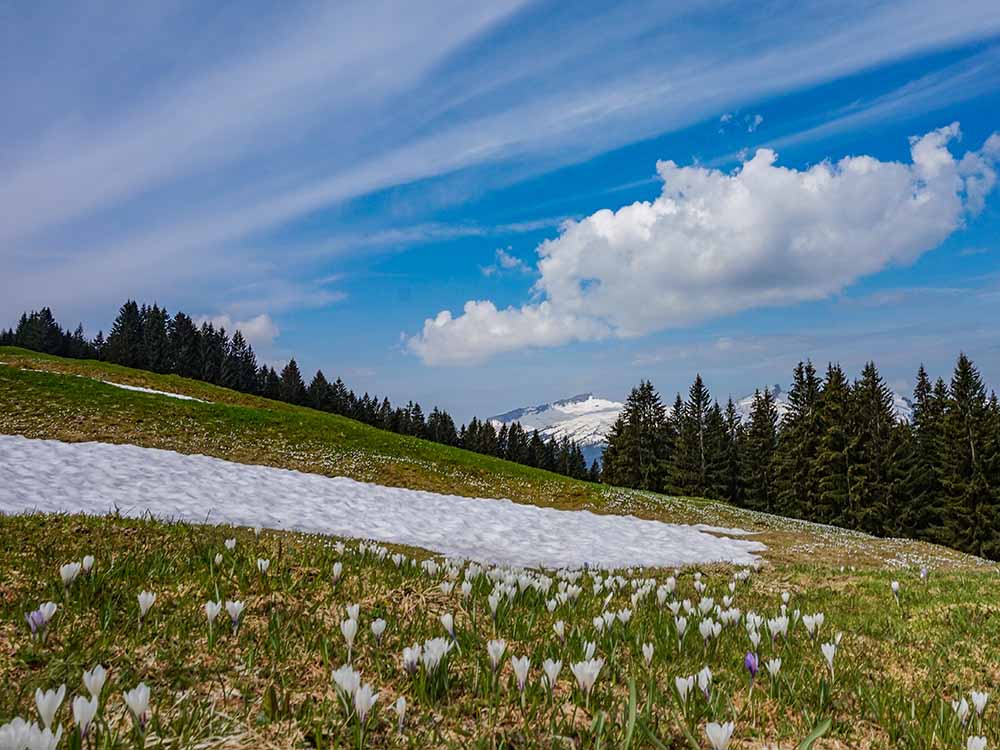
{"type": "Point", "coordinates": [751, 663]}
{"type": "Point", "coordinates": [36, 621]}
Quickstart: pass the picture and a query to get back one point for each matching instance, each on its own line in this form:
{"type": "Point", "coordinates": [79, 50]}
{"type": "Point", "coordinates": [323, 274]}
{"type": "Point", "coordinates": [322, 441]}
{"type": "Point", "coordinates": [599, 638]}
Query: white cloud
{"type": "Point", "coordinates": [505, 262]}
{"type": "Point", "coordinates": [715, 243]}
{"type": "Point", "coordinates": [754, 122]}
{"type": "Point", "coordinates": [259, 331]}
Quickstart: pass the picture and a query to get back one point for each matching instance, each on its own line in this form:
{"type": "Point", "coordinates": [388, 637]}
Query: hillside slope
{"type": "Point", "coordinates": [81, 400]}
{"type": "Point", "coordinates": [906, 642]}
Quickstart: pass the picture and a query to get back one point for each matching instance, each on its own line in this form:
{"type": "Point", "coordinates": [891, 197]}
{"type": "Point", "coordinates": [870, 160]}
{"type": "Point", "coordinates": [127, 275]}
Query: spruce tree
{"type": "Point", "coordinates": [125, 345]}
{"type": "Point", "coordinates": [693, 457]}
{"type": "Point", "coordinates": [185, 346]}
{"type": "Point", "coordinates": [156, 342]}
{"type": "Point", "coordinates": [759, 452]}
{"type": "Point", "coordinates": [920, 498]}
{"type": "Point", "coordinates": [874, 444]}
{"type": "Point", "coordinates": [318, 394]}
{"type": "Point", "coordinates": [833, 457]}
{"type": "Point", "coordinates": [732, 473]}
{"type": "Point", "coordinates": [798, 445]}
{"type": "Point", "coordinates": [292, 389]}
{"type": "Point", "coordinates": [971, 522]}
{"type": "Point", "coordinates": [639, 443]}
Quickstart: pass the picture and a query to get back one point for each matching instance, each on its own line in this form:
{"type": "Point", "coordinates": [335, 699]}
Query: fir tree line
{"type": "Point", "coordinates": [839, 455]}
{"type": "Point", "coordinates": [148, 338]}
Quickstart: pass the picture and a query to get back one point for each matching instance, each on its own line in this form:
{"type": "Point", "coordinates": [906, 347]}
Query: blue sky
{"type": "Point", "coordinates": [621, 190]}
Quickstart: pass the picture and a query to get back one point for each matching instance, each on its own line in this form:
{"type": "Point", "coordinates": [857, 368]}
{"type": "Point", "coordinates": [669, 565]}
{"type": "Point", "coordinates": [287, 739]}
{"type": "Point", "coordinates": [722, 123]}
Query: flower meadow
{"type": "Point", "coordinates": [118, 633]}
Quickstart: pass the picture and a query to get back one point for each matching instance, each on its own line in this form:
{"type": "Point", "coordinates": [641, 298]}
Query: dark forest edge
{"type": "Point", "coordinates": [839, 455]}
{"type": "Point", "coordinates": [147, 338]}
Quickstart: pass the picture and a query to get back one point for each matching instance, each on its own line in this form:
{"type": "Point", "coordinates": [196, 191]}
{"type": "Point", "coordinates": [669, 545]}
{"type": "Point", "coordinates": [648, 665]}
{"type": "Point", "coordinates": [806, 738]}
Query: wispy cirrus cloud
{"type": "Point", "coordinates": [123, 160]}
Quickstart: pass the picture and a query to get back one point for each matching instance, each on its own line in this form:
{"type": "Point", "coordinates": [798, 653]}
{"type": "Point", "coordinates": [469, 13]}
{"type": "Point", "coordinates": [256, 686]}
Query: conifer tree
{"type": "Point", "coordinates": [759, 453]}
{"type": "Point", "coordinates": [798, 445]}
{"type": "Point", "coordinates": [125, 345]}
{"type": "Point", "coordinates": [920, 501]}
{"type": "Point", "coordinates": [292, 389]}
{"type": "Point", "coordinates": [873, 448]}
{"type": "Point", "coordinates": [318, 394]}
{"type": "Point", "coordinates": [639, 443]}
{"type": "Point", "coordinates": [732, 473]}
{"type": "Point", "coordinates": [185, 346]}
{"type": "Point", "coordinates": [156, 342]}
{"type": "Point", "coordinates": [833, 457]}
{"type": "Point", "coordinates": [693, 458]}
{"type": "Point", "coordinates": [971, 503]}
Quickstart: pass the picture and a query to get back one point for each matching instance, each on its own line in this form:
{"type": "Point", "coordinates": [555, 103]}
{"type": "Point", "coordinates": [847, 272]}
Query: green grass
{"type": "Point", "coordinates": [898, 667]}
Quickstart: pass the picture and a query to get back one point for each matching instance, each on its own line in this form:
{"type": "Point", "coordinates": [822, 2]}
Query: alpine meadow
{"type": "Point", "coordinates": [293, 302]}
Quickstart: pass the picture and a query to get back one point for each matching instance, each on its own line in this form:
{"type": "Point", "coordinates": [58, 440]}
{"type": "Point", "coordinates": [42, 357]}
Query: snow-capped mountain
{"type": "Point", "coordinates": [587, 419]}
{"type": "Point", "coordinates": [584, 418]}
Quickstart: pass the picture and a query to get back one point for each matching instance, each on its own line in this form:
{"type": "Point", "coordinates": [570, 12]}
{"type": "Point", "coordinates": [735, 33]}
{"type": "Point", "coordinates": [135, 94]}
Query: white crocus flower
{"type": "Point", "coordinates": [263, 565]}
{"type": "Point", "coordinates": [94, 680]}
{"type": "Point", "coordinates": [146, 600]}
{"type": "Point", "coordinates": [433, 653]}
{"type": "Point", "coordinates": [378, 627]}
{"type": "Point", "coordinates": [552, 670]}
{"type": "Point", "coordinates": [230, 544]}
{"type": "Point", "coordinates": [979, 701]}
{"type": "Point", "coordinates": [48, 703]}
{"type": "Point", "coordinates": [88, 563]}
{"type": "Point", "coordinates": [448, 622]}
{"type": "Point", "coordinates": [353, 611]}
{"type": "Point", "coordinates": [829, 651]}
{"type": "Point", "coordinates": [338, 571]}
{"type": "Point", "coordinates": [212, 611]}
{"type": "Point", "coordinates": [69, 572]}
{"type": "Point", "coordinates": [720, 735]}
{"type": "Point", "coordinates": [218, 559]}
{"type": "Point", "coordinates": [346, 680]}
{"type": "Point", "coordinates": [975, 743]}
{"type": "Point", "coordinates": [349, 629]}
{"type": "Point", "coordinates": [137, 700]}
{"type": "Point", "coordinates": [560, 629]}
{"type": "Point", "coordinates": [48, 611]}
{"type": "Point", "coordinates": [84, 712]}
{"type": "Point", "coordinates": [400, 709]}
{"type": "Point", "coordinates": [705, 681]}
{"type": "Point", "coordinates": [773, 666]}
{"type": "Point", "coordinates": [495, 649]}
{"type": "Point", "coordinates": [961, 709]}
{"type": "Point", "coordinates": [684, 686]}
{"type": "Point", "coordinates": [411, 658]}
{"type": "Point", "coordinates": [520, 665]}
{"type": "Point", "coordinates": [235, 611]}
{"type": "Point", "coordinates": [586, 673]}
{"type": "Point", "coordinates": [364, 701]}
{"type": "Point", "coordinates": [647, 653]}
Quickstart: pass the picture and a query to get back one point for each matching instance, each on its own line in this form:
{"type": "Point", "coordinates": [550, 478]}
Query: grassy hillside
{"type": "Point", "coordinates": [900, 663]}
{"type": "Point", "coordinates": [50, 397]}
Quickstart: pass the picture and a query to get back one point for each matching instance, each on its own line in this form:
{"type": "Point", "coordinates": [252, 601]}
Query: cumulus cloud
{"type": "Point", "coordinates": [259, 331]}
{"type": "Point", "coordinates": [716, 243]}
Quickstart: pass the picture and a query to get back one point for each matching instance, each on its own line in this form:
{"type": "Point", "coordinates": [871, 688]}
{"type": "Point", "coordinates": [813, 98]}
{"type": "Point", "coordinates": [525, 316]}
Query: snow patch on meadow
{"type": "Point", "coordinates": [54, 477]}
{"type": "Point", "coordinates": [140, 389]}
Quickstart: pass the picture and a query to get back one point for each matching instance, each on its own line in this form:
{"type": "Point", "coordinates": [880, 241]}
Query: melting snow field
{"type": "Point", "coordinates": [54, 477]}
{"type": "Point", "coordinates": [140, 389]}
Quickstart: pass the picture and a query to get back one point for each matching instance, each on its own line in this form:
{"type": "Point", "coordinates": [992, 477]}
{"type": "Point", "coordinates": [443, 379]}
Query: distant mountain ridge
{"type": "Point", "coordinates": [587, 419]}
